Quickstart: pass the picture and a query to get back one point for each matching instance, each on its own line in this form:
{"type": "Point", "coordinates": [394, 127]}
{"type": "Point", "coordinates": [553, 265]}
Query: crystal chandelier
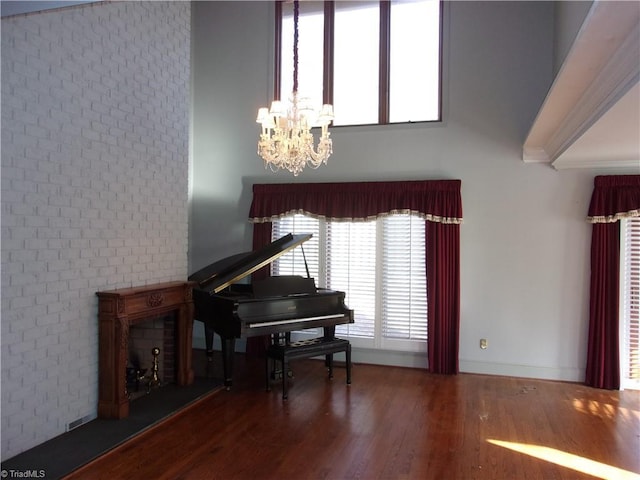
{"type": "Point", "coordinates": [286, 140]}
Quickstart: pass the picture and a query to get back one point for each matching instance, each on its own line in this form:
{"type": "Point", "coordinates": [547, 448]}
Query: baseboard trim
{"type": "Point", "coordinates": [565, 374]}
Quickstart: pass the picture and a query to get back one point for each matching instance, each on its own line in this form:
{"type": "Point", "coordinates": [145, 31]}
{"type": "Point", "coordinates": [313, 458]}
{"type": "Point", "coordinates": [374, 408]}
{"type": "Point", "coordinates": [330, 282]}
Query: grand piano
{"type": "Point", "coordinates": [272, 306]}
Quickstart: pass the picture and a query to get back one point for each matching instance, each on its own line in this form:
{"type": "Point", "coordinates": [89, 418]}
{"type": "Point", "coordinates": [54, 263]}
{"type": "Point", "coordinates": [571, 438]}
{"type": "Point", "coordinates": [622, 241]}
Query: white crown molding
{"type": "Point", "coordinates": [561, 164]}
{"type": "Point", "coordinates": [535, 155]}
{"type": "Point", "coordinates": [602, 65]}
{"type": "Point", "coordinates": [9, 8]}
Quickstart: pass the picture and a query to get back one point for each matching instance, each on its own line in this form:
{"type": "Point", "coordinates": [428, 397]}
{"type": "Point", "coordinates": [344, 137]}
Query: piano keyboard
{"type": "Point", "coordinates": [294, 320]}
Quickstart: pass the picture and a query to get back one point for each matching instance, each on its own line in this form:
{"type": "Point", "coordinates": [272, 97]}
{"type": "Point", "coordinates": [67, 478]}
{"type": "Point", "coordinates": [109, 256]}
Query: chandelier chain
{"type": "Point", "coordinates": [296, 16]}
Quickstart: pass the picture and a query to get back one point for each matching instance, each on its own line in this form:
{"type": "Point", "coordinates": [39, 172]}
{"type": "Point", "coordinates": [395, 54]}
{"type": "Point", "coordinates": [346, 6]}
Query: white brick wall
{"type": "Point", "coordinates": [95, 118]}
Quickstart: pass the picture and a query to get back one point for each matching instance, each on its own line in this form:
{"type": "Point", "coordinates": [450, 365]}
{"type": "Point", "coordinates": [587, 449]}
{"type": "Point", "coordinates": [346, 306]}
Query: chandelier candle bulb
{"type": "Point", "coordinates": [277, 109]}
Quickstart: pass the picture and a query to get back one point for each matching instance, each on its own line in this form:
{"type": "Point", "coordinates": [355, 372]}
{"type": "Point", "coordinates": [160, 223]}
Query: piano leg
{"type": "Point", "coordinates": [329, 334]}
{"type": "Point", "coordinates": [228, 351]}
{"type": "Point", "coordinates": [208, 339]}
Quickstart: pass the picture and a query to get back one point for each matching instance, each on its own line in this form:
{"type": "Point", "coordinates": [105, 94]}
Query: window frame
{"type": "Point", "coordinates": [378, 341]}
{"type": "Point", "coordinates": [628, 260]}
{"type": "Point", "coordinates": [384, 61]}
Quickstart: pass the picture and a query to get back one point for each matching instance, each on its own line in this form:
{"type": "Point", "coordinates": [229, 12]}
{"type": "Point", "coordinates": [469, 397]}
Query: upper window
{"type": "Point", "coordinates": [376, 61]}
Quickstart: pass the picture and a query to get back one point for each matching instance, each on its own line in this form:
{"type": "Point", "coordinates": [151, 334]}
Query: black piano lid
{"type": "Point", "coordinates": [219, 275]}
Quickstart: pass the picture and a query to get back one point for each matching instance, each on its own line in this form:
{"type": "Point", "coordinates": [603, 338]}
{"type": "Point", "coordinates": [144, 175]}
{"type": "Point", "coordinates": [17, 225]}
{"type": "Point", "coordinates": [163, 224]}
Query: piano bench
{"type": "Point", "coordinates": [307, 349]}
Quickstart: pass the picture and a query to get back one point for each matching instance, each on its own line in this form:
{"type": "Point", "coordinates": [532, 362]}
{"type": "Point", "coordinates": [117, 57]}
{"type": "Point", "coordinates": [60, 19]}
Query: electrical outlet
{"type": "Point", "coordinates": [483, 343]}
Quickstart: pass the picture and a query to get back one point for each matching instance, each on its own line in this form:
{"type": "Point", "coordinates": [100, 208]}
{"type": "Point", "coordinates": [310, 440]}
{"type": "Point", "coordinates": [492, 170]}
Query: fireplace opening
{"type": "Point", "coordinates": [144, 337]}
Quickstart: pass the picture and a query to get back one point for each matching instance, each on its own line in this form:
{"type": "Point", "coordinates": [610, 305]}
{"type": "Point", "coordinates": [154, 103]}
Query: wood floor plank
{"type": "Point", "coordinates": [391, 423]}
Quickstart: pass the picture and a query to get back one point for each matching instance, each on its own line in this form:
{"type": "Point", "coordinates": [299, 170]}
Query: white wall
{"type": "Point", "coordinates": [232, 65]}
{"type": "Point", "coordinates": [95, 112]}
{"type": "Point", "coordinates": [568, 18]}
{"type": "Point", "coordinates": [524, 241]}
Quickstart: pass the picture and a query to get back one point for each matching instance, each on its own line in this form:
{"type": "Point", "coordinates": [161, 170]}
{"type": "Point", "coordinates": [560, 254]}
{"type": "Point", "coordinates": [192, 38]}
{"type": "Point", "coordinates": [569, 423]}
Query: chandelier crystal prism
{"type": "Point", "coordinates": [286, 141]}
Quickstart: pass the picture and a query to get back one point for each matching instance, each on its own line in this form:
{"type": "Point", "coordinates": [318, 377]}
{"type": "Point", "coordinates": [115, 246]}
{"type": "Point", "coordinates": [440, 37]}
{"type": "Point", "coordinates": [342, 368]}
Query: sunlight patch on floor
{"type": "Point", "coordinates": [568, 460]}
{"type": "Point", "coordinates": [604, 410]}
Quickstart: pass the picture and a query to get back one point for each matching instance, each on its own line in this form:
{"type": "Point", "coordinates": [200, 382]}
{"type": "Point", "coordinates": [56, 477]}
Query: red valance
{"type": "Point", "coordinates": [434, 200]}
{"type": "Point", "coordinates": [614, 197]}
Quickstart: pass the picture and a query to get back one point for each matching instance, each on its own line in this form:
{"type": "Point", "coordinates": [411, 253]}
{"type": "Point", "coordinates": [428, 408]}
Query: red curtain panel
{"type": "Point", "coordinates": [614, 197]}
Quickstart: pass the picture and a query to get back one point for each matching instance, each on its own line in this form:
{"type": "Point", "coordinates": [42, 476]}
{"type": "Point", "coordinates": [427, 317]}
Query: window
{"type": "Point", "coordinates": [376, 61]}
{"type": "Point", "coordinates": [380, 265]}
{"type": "Point", "coordinates": [630, 304]}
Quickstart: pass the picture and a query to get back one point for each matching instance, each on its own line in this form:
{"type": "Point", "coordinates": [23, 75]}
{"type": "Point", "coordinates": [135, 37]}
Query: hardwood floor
{"type": "Point", "coordinates": [391, 423]}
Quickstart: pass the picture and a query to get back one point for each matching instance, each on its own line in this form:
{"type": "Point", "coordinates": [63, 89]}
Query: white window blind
{"type": "Point", "coordinates": [380, 265]}
{"type": "Point", "coordinates": [293, 263]}
{"type": "Point", "coordinates": [630, 304]}
{"type": "Point", "coordinates": [351, 268]}
{"type": "Point", "coordinates": [405, 287]}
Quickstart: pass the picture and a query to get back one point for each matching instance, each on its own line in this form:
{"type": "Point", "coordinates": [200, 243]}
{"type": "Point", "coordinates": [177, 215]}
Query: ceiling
{"type": "Point", "coordinates": [591, 116]}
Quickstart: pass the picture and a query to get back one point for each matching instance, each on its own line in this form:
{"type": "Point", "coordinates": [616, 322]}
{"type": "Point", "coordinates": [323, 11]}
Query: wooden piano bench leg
{"type": "Point", "coordinates": [329, 363]}
{"type": "Point", "coordinates": [285, 378]}
{"type": "Point", "coordinates": [267, 373]}
{"type": "Point", "coordinates": [348, 360]}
